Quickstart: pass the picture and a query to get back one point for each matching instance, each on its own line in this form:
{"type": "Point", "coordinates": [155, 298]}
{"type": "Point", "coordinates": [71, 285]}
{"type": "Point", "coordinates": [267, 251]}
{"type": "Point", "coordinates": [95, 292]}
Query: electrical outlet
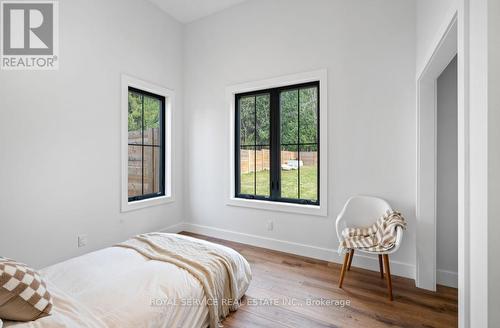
{"type": "Point", "coordinates": [270, 225]}
{"type": "Point", "coordinates": [82, 241]}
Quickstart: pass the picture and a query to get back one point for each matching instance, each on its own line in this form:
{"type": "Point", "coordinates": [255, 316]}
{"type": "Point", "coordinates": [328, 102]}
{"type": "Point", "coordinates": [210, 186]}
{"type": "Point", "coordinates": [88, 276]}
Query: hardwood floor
{"type": "Point", "coordinates": [279, 276]}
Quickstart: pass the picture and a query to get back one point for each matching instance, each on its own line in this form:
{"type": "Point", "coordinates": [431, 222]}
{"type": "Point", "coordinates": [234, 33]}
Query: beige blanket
{"type": "Point", "coordinates": [379, 237]}
{"type": "Point", "coordinates": [211, 265]}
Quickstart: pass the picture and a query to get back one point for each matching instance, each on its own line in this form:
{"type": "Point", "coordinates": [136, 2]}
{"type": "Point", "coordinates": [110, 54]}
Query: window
{"type": "Point", "coordinates": [277, 144]}
{"type": "Point", "coordinates": [146, 144]}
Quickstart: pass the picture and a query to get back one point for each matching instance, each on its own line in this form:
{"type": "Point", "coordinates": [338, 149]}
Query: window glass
{"type": "Point", "coordinates": [254, 136]}
{"type": "Point", "coordinates": [278, 156]}
{"type": "Point", "coordinates": [145, 145]}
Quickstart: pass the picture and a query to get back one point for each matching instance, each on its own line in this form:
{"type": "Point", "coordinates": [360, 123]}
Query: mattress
{"type": "Point", "coordinates": [118, 287]}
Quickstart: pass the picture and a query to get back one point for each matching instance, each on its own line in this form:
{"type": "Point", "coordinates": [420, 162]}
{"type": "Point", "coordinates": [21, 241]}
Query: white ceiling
{"type": "Point", "coordinates": [187, 11]}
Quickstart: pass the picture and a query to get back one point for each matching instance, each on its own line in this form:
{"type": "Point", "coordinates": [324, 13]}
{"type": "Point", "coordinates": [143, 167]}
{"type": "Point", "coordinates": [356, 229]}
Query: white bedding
{"type": "Point", "coordinates": [118, 287]}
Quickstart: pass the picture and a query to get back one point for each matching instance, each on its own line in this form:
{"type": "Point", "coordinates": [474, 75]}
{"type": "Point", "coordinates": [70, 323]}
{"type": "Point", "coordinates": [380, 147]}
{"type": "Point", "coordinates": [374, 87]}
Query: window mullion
{"type": "Point", "coordinates": [255, 147]}
{"type": "Point", "coordinates": [142, 146]}
{"type": "Point", "coordinates": [275, 145]}
{"type": "Point", "coordinates": [298, 143]}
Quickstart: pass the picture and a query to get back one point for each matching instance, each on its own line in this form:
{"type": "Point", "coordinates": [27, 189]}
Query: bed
{"type": "Point", "coordinates": [122, 287]}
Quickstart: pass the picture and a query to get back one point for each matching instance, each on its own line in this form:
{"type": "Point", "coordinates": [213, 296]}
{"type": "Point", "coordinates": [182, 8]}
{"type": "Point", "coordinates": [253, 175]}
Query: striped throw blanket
{"type": "Point", "coordinates": [379, 237]}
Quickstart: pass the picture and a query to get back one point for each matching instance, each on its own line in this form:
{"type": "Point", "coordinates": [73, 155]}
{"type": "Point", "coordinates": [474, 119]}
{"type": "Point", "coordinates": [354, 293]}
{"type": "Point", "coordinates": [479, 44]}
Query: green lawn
{"type": "Point", "coordinates": [289, 183]}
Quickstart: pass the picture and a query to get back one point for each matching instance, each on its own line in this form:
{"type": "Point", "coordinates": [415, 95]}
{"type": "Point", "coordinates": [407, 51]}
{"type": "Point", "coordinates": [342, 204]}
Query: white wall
{"type": "Point", "coordinates": [60, 132]}
{"type": "Point", "coordinates": [432, 18]}
{"type": "Point", "coordinates": [368, 48]}
{"type": "Point", "coordinates": [494, 163]}
{"type": "Point", "coordinates": [447, 177]}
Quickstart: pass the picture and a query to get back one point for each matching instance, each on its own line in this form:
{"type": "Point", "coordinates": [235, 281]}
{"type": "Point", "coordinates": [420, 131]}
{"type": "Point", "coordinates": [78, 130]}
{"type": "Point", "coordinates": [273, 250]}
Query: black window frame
{"type": "Point", "coordinates": [162, 100]}
{"type": "Point", "coordinates": [275, 145]}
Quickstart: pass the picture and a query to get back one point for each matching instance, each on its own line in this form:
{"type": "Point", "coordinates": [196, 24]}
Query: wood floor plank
{"type": "Point", "coordinates": [282, 276]}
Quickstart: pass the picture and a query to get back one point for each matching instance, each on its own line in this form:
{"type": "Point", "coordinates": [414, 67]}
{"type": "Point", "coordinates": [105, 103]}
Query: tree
{"type": "Point", "coordinates": [295, 118]}
{"type": "Point", "coordinates": [151, 117]}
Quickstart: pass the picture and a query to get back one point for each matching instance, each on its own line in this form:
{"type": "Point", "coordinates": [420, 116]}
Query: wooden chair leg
{"type": "Point", "coordinates": [344, 268]}
{"type": "Point", "coordinates": [351, 255]}
{"type": "Point", "coordinates": [388, 276]}
{"type": "Point", "coordinates": [381, 266]}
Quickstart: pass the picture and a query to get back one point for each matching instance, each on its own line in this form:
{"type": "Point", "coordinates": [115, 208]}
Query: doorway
{"type": "Point", "coordinates": [427, 170]}
{"type": "Point", "coordinates": [447, 177]}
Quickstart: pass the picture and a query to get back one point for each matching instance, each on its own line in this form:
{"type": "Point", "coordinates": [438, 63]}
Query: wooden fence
{"type": "Point", "coordinates": [151, 137]}
{"type": "Point", "coordinates": [151, 163]}
{"type": "Point", "coordinates": [259, 160]}
{"type": "Point", "coordinates": [250, 160]}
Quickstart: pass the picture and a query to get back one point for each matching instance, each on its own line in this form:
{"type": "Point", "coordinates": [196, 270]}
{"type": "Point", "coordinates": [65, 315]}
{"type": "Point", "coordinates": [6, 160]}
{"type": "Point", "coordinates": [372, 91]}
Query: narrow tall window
{"type": "Point", "coordinates": [146, 145]}
{"type": "Point", "coordinates": [277, 144]}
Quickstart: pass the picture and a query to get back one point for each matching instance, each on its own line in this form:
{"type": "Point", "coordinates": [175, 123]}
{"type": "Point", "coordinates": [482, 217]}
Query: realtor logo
{"type": "Point", "coordinates": [29, 32]}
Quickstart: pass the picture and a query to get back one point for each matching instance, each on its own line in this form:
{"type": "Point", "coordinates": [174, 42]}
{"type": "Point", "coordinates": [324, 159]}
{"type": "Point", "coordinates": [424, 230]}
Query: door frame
{"type": "Point", "coordinates": [444, 52]}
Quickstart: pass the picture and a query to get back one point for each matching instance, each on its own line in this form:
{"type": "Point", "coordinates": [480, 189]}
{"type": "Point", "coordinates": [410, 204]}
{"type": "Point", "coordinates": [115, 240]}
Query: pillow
{"type": "Point", "coordinates": [23, 293]}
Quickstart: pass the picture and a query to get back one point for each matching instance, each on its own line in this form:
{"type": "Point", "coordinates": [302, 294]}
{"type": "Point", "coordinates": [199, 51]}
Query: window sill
{"type": "Point", "coordinates": [278, 206]}
{"type": "Point", "coordinates": [139, 204]}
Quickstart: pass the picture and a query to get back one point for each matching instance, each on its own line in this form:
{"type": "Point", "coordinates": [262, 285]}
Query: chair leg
{"type": "Point", "coordinates": [381, 266]}
{"type": "Point", "coordinates": [388, 275]}
{"type": "Point", "coordinates": [351, 255]}
{"type": "Point", "coordinates": [344, 268]}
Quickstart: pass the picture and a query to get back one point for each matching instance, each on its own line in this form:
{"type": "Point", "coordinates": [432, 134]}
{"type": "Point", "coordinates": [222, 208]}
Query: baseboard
{"type": "Point", "coordinates": [327, 254]}
{"type": "Point", "coordinates": [447, 278]}
{"type": "Point", "coordinates": [175, 228]}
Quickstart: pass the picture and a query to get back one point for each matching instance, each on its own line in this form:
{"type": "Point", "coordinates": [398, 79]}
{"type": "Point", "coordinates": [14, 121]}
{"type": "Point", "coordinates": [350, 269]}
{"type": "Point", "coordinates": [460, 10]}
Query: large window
{"type": "Point", "coordinates": [146, 145]}
{"type": "Point", "coordinates": [277, 144]}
